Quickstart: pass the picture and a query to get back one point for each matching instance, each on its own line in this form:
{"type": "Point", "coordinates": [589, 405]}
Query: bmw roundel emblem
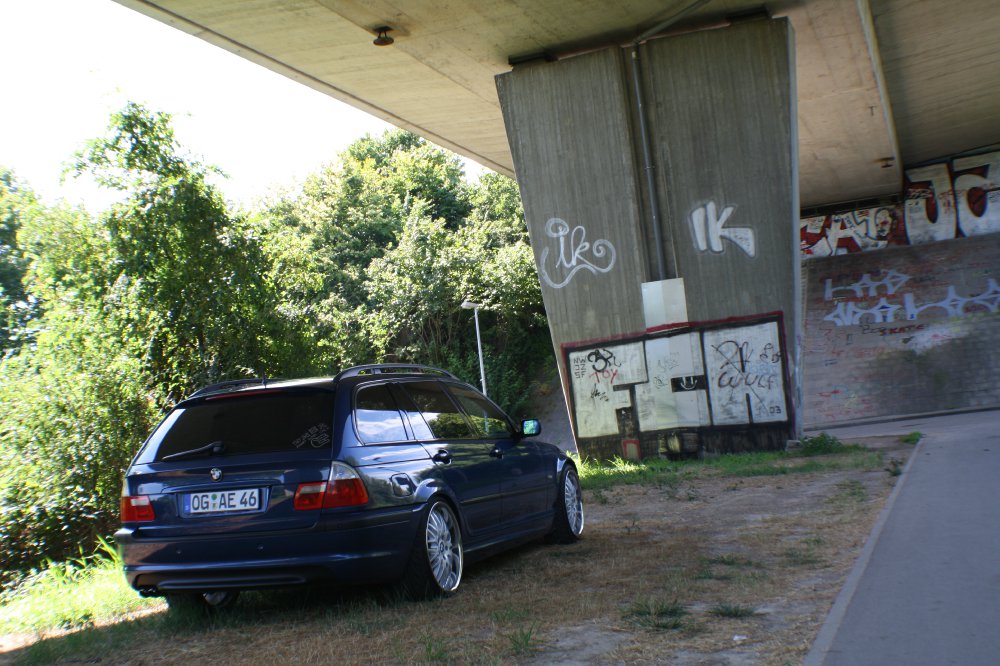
{"type": "Point", "coordinates": [216, 473]}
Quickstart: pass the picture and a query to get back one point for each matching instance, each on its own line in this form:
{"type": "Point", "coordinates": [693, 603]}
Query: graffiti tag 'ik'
{"type": "Point", "coordinates": [706, 225]}
{"type": "Point", "coordinates": [573, 248]}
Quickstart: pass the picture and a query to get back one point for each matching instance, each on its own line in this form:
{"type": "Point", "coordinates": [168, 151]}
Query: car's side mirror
{"type": "Point", "coordinates": [531, 427]}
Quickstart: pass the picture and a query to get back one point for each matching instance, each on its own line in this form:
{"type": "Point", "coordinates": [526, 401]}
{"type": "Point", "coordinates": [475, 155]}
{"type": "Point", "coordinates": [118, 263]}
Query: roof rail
{"type": "Point", "coordinates": [231, 385]}
{"type": "Point", "coordinates": [392, 368]}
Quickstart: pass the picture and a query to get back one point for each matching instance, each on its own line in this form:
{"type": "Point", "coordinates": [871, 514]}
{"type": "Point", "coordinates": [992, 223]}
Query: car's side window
{"type": "Point", "coordinates": [376, 416]}
{"type": "Point", "coordinates": [486, 419]}
{"type": "Point", "coordinates": [442, 416]}
{"type": "Point", "coordinates": [418, 426]}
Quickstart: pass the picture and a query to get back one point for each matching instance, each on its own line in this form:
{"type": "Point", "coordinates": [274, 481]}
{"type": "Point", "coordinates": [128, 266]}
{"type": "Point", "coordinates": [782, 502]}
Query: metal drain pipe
{"type": "Point", "coordinates": [644, 139]}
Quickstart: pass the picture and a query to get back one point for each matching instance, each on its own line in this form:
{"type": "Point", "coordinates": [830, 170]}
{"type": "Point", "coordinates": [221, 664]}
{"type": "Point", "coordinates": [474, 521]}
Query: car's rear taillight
{"type": "Point", "coordinates": [345, 488]}
{"type": "Point", "coordinates": [309, 495]}
{"type": "Point", "coordinates": [137, 509]}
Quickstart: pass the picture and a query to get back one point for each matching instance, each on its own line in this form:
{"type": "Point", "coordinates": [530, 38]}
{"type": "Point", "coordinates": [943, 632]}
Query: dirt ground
{"type": "Point", "coordinates": [779, 545]}
{"type": "Point", "coordinates": [706, 569]}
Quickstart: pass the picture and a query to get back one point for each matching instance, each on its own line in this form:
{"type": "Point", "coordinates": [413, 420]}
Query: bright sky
{"type": "Point", "coordinates": [68, 64]}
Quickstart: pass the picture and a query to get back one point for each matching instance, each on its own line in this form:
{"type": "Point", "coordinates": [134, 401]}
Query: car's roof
{"type": "Point", "coordinates": [352, 376]}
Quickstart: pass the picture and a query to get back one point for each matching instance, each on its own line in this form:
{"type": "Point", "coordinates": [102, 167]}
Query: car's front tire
{"type": "Point", "coordinates": [437, 559]}
{"type": "Point", "coordinates": [568, 523]}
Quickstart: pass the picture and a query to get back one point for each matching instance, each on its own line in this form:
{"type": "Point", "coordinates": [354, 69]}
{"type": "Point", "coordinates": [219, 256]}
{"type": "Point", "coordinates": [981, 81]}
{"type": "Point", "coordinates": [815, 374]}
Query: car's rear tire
{"type": "Point", "coordinates": [568, 523]}
{"type": "Point", "coordinates": [210, 601]}
{"type": "Point", "coordinates": [437, 559]}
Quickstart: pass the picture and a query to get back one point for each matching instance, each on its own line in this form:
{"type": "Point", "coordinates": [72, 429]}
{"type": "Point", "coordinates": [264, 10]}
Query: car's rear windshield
{"type": "Point", "coordinates": [237, 425]}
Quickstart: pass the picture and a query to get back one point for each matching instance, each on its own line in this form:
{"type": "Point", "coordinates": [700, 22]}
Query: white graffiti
{"type": "Point", "coordinates": [706, 225]}
{"type": "Point", "coordinates": [851, 314]}
{"type": "Point", "coordinates": [891, 281]}
{"type": "Point", "coordinates": [688, 383]}
{"type": "Point", "coordinates": [954, 305]}
{"type": "Point", "coordinates": [573, 246]}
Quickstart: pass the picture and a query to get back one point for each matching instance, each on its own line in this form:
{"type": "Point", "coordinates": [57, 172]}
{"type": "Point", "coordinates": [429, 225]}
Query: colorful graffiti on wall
{"type": "Point", "coordinates": [857, 231]}
{"type": "Point", "coordinates": [680, 379]}
{"type": "Point", "coordinates": [953, 199]}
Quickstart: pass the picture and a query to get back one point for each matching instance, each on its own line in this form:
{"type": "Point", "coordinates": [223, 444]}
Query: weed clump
{"type": "Point", "coordinates": [657, 614]}
{"type": "Point", "coordinates": [825, 444]}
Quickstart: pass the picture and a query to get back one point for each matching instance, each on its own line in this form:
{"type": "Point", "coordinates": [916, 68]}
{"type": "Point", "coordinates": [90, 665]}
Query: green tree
{"type": "Point", "coordinates": [496, 202]}
{"type": "Point", "coordinates": [75, 405]}
{"type": "Point", "coordinates": [15, 309]}
{"type": "Point", "coordinates": [166, 291]}
{"type": "Point", "coordinates": [169, 290]}
{"type": "Point", "coordinates": [189, 292]}
{"type": "Point", "coordinates": [416, 290]}
{"type": "Point", "coordinates": [350, 214]}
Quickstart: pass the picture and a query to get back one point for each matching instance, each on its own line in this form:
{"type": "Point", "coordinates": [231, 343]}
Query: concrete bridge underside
{"type": "Point", "coordinates": [880, 83]}
{"type": "Point", "coordinates": [664, 152]}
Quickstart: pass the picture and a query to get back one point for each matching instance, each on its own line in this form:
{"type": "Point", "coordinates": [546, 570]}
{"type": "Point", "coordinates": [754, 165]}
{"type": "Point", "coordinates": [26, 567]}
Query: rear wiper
{"type": "Point", "coordinates": [215, 448]}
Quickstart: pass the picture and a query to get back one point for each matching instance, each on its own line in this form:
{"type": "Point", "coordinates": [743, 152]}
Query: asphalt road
{"type": "Point", "coordinates": [926, 589]}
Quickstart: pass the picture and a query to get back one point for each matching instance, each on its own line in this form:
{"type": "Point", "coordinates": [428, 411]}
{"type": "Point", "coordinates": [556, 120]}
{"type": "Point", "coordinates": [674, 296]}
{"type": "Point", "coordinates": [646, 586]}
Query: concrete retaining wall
{"type": "Point", "coordinates": [906, 330]}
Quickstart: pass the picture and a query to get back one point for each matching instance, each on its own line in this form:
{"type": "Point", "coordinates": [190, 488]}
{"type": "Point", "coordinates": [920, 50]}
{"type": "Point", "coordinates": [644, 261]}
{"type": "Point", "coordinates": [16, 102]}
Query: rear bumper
{"type": "Point", "coordinates": [358, 550]}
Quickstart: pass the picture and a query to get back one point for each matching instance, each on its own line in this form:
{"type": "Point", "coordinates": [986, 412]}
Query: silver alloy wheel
{"type": "Point", "coordinates": [444, 547]}
{"type": "Point", "coordinates": [574, 503]}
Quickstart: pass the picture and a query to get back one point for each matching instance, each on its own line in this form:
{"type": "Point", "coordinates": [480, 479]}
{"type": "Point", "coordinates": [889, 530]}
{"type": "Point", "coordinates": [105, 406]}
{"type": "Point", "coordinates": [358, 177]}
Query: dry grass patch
{"type": "Point", "coordinates": [709, 568]}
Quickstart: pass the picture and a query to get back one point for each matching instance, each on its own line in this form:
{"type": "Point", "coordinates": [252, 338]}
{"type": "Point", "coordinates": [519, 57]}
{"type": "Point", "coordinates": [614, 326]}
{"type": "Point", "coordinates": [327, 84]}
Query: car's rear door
{"type": "Point", "coordinates": [462, 460]}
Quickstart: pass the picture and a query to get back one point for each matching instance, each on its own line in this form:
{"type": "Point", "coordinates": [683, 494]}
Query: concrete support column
{"type": "Point", "coordinates": [710, 358]}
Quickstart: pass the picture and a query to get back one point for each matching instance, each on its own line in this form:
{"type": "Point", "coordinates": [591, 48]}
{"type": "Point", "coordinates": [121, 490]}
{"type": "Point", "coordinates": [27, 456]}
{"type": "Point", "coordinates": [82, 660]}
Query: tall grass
{"type": "Point", "coordinates": [69, 595]}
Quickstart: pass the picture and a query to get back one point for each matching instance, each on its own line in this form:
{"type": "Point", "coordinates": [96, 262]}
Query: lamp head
{"type": "Point", "coordinates": [383, 38]}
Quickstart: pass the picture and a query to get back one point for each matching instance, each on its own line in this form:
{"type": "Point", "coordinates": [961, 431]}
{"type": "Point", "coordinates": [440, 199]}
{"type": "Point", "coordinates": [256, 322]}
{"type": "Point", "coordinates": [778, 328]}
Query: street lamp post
{"type": "Point", "coordinates": [469, 305]}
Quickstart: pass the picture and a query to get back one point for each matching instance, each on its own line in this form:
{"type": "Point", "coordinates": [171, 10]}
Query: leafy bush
{"type": "Point", "coordinates": [75, 411]}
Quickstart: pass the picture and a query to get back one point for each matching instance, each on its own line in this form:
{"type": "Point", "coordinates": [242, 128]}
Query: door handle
{"type": "Point", "coordinates": [443, 456]}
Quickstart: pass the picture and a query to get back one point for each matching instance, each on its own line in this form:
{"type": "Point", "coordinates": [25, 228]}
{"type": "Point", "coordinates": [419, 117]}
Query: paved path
{"type": "Point", "coordinates": [926, 589]}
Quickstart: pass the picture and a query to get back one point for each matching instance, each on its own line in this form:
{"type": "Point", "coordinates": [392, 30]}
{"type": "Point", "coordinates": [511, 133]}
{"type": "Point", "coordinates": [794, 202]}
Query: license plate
{"type": "Point", "coordinates": [223, 501]}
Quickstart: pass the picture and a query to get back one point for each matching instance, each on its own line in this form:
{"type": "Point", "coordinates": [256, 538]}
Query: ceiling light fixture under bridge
{"type": "Point", "coordinates": [383, 38]}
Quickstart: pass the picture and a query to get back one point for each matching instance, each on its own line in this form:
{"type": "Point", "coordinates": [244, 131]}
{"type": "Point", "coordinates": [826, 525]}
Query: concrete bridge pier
{"type": "Point", "coordinates": [660, 185]}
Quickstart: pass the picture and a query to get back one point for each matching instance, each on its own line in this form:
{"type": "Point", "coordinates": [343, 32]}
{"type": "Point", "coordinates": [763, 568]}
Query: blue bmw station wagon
{"type": "Point", "coordinates": [384, 473]}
